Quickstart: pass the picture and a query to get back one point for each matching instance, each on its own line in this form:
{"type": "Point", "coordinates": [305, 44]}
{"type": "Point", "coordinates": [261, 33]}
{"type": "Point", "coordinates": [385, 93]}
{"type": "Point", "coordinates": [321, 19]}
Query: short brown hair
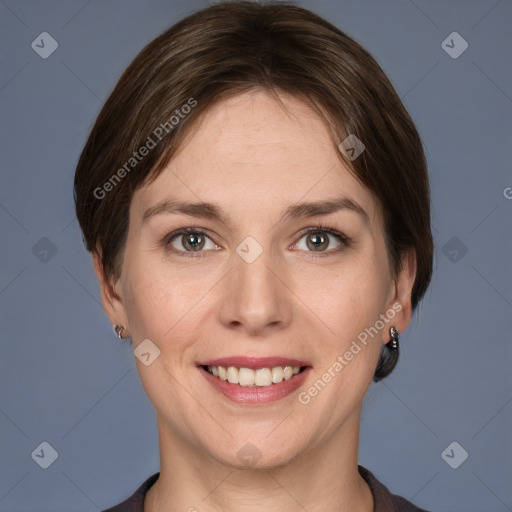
{"type": "Point", "coordinates": [229, 48]}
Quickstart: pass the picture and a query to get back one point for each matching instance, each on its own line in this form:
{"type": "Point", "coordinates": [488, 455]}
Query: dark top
{"type": "Point", "coordinates": [383, 499]}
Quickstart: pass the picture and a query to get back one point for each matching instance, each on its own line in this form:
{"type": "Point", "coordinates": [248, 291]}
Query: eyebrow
{"type": "Point", "coordinates": [296, 211]}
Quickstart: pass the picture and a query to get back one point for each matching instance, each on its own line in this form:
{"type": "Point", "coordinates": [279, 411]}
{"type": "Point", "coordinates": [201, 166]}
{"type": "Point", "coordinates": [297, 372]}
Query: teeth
{"type": "Point", "coordinates": [232, 375]}
{"type": "Point", "coordinates": [277, 374]}
{"type": "Point", "coordinates": [248, 377]}
{"type": "Point", "coordinates": [263, 377]}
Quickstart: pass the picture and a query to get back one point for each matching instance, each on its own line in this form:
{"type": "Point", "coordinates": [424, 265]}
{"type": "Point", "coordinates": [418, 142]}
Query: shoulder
{"type": "Point", "coordinates": [135, 503]}
{"type": "Point", "coordinates": [384, 500]}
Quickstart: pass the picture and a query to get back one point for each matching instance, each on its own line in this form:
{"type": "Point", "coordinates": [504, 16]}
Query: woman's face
{"type": "Point", "coordinates": [249, 287]}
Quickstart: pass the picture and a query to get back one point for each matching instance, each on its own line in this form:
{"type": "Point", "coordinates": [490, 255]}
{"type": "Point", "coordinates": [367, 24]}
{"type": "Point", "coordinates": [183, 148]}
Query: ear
{"type": "Point", "coordinates": [112, 302]}
{"type": "Point", "coordinates": [400, 296]}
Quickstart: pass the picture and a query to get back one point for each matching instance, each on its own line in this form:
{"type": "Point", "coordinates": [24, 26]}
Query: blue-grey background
{"type": "Point", "coordinates": [65, 379]}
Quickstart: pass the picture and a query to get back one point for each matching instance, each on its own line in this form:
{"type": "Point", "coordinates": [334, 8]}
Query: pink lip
{"type": "Point", "coordinates": [253, 363]}
{"type": "Point", "coordinates": [255, 395]}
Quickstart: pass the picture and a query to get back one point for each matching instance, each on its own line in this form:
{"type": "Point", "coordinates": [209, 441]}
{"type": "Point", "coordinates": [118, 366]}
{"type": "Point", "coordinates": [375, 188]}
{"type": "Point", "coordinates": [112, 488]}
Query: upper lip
{"type": "Point", "coordinates": [254, 362]}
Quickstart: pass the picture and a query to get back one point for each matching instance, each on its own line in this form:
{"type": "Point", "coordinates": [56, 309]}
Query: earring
{"type": "Point", "coordinates": [118, 329]}
{"type": "Point", "coordinates": [393, 343]}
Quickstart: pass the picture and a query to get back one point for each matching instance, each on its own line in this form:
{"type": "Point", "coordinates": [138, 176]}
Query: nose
{"type": "Point", "coordinates": [257, 298]}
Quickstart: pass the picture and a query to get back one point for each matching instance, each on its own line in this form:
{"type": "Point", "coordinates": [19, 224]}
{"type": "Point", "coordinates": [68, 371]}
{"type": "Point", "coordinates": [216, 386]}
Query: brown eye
{"type": "Point", "coordinates": [193, 241]}
{"type": "Point", "coordinates": [322, 240]}
{"type": "Point", "coordinates": [189, 240]}
{"type": "Point", "coordinates": [317, 241]}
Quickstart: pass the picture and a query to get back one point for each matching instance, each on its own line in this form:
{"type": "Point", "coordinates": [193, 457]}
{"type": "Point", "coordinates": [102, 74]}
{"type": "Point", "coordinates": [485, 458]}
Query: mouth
{"type": "Point", "coordinates": [249, 377]}
{"type": "Point", "coordinates": [255, 381]}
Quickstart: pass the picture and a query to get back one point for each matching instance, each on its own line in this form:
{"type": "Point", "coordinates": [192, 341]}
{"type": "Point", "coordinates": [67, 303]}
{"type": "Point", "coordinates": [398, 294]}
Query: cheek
{"type": "Point", "coordinates": [347, 300]}
{"type": "Point", "coordinates": [350, 302]}
{"type": "Point", "coordinates": [161, 299]}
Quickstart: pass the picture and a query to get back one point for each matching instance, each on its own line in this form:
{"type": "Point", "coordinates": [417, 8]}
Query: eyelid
{"type": "Point", "coordinates": [166, 240]}
{"type": "Point", "coordinates": [324, 229]}
{"type": "Point", "coordinates": [319, 228]}
{"type": "Point", "coordinates": [344, 240]}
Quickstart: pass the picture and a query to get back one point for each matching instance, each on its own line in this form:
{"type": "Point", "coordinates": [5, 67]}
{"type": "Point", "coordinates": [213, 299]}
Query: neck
{"type": "Point", "coordinates": [326, 479]}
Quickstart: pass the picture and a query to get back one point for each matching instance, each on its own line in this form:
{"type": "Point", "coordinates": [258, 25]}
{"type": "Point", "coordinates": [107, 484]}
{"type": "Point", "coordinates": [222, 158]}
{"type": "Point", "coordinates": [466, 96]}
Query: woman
{"type": "Point", "coordinates": [256, 202]}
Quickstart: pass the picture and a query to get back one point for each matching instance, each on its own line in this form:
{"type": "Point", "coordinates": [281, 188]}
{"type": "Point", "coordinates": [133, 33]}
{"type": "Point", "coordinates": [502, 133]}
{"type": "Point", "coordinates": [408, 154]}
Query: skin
{"type": "Point", "coordinates": [254, 158]}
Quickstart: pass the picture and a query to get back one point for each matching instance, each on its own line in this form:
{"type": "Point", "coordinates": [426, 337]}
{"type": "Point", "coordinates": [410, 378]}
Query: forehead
{"type": "Point", "coordinates": [251, 152]}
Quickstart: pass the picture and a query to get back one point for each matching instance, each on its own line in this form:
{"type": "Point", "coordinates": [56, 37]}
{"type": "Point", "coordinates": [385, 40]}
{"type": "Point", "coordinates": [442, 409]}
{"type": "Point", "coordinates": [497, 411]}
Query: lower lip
{"type": "Point", "coordinates": [256, 394]}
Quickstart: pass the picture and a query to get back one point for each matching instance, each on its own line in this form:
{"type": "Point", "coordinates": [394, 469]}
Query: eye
{"type": "Point", "coordinates": [319, 239]}
{"type": "Point", "coordinates": [195, 240]}
{"type": "Point", "coordinates": [189, 240]}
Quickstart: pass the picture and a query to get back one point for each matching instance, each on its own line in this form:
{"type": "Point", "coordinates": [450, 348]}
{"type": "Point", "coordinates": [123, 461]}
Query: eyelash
{"type": "Point", "coordinates": [344, 240]}
{"type": "Point", "coordinates": [319, 228]}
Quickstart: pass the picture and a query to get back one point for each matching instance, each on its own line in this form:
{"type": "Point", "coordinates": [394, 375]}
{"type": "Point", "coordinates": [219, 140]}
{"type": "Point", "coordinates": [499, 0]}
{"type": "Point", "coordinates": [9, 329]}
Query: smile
{"type": "Point", "coordinates": [247, 377]}
{"type": "Point", "coordinates": [255, 381]}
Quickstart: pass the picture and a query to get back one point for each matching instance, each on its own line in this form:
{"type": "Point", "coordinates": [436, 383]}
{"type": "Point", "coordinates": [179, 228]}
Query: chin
{"type": "Point", "coordinates": [260, 454]}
